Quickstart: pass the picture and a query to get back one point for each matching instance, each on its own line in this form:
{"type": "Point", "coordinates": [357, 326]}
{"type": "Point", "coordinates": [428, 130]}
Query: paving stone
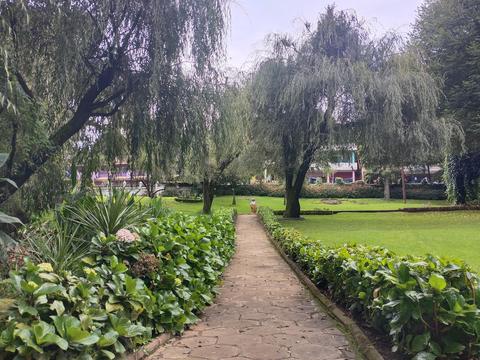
{"type": "Point", "coordinates": [315, 352]}
{"type": "Point", "coordinates": [263, 351]}
{"type": "Point", "coordinates": [215, 352]}
{"type": "Point", "coordinates": [261, 312]}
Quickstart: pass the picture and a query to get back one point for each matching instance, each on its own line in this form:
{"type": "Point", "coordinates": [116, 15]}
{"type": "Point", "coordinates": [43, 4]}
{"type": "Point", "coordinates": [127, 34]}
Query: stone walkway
{"type": "Point", "coordinates": [262, 312]}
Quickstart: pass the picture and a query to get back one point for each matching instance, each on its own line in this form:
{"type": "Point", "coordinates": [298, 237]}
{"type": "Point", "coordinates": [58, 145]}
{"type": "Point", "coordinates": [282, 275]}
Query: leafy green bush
{"type": "Point", "coordinates": [106, 214]}
{"type": "Point", "coordinates": [353, 191]}
{"type": "Point", "coordinates": [428, 306]}
{"type": "Point", "coordinates": [136, 284]}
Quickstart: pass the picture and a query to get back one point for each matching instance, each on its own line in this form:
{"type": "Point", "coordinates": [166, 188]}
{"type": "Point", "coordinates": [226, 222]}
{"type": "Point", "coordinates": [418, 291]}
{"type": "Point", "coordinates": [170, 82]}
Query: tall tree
{"type": "Point", "coordinates": [399, 126]}
{"type": "Point", "coordinates": [305, 91]}
{"type": "Point", "coordinates": [448, 32]}
{"type": "Point", "coordinates": [222, 134]}
{"type": "Point", "coordinates": [82, 61]}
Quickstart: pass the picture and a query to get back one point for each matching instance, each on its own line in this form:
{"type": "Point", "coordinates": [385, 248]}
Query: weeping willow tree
{"type": "Point", "coordinates": [81, 62]}
{"type": "Point", "coordinates": [399, 126]}
{"type": "Point", "coordinates": [221, 122]}
{"type": "Point", "coordinates": [335, 87]}
{"type": "Point", "coordinates": [305, 92]}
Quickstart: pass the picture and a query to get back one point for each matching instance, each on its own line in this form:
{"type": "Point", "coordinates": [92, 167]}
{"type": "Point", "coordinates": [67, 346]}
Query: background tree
{"type": "Point", "coordinates": [305, 91]}
{"type": "Point", "coordinates": [448, 33]}
{"type": "Point", "coordinates": [222, 134]}
{"type": "Point", "coordinates": [80, 62]}
{"type": "Point", "coordinates": [399, 127]}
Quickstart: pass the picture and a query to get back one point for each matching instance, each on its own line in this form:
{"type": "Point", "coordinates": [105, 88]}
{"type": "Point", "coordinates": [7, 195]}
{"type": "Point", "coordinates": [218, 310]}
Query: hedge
{"type": "Point", "coordinates": [427, 306]}
{"type": "Point", "coordinates": [132, 288]}
{"type": "Point", "coordinates": [414, 191]}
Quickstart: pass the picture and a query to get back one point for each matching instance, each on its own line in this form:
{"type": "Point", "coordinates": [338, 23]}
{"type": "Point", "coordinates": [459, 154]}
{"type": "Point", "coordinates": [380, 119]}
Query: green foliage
{"type": "Point", "coordinates": [57, 241]}
{"type": "Point", "coordinates": [5, 239]}
{"type": "Point", "coordinates": [447, 33]}
{"type": "Point", "coordinates": [351, 191]}
{"type": "Point", "coordinates": [106, 214]}
{"type": "Point", "coordinates": [428, 306]}
{"type": "Point", "coordinates": [73, 63]}
{"type": "Point", "coordinates": [130, 290]}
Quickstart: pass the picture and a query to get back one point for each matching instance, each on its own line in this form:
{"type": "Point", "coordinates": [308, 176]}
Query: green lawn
{"type": "Point", "coordinates": [243, 206]}
{"type": "Point", "coordinates": [452, 234]}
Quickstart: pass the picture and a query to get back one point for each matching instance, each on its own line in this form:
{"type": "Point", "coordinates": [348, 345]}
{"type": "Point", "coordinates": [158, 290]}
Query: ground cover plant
{"type": "Point", "coordinates": [134, 284]}
{"type": "Point", "coordinates": [427, 305]}
{"type": "Point", "coordinates": [453, 234]}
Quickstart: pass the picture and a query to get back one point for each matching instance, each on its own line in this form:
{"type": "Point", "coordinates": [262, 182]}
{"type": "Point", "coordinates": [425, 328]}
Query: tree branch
{"type": "Point", "coordinates": [23, 84]}
{"type": "Point", "coordinates": [108, 100]}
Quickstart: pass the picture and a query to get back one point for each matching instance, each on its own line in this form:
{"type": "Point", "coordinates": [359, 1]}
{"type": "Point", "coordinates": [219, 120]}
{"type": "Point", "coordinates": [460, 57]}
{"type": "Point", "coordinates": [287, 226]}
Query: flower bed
{"type": "Point", "coordinates": [428, 306]}
{"type": "Point", "coordinates": [134, 285]}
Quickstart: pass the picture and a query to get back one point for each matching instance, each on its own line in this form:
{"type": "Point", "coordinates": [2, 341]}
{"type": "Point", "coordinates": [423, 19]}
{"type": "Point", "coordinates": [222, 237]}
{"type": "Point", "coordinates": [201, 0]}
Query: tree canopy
{"type": "Point", "coordinates": [334, 87]}
{"type": "Point", "coordinates": [80, 62]}
{"type": "Point", "coordinates": [448, 34]}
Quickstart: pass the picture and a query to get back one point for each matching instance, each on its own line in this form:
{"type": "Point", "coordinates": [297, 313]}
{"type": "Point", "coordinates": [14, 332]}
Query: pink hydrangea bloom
{"type": "Point", "coordinates": [126, 235]}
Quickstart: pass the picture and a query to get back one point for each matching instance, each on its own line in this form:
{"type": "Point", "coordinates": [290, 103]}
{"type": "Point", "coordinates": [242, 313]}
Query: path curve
{"type": "Point", "coordinates": [262, 312]}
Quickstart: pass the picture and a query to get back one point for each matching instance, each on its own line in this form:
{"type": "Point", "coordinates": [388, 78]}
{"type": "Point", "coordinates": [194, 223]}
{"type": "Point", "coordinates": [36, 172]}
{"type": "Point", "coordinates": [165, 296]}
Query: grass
{"type": "Point", "coordinates": [450, 234]}
{"type": "Point", "coordinates": [454, 234]}
{"type": "Point", "coordinates": [243, 202]}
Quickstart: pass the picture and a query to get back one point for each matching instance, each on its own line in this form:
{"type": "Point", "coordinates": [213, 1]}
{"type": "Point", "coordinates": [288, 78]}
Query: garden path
{"type": "Point", "coordinates": [261, 312]}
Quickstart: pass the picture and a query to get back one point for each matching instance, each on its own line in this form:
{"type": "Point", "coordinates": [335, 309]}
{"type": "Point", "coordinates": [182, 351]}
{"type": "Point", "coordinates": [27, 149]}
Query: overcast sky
{"type": "Point", "coordinates": [253, 20]}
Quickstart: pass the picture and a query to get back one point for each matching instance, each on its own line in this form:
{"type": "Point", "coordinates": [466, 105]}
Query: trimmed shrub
{"type": "Point", "coordinates": [354, 191]}
{"type": "Point", "coordinates": [136, 284]}
{"type": "Point", "coordinates": [428, 306]}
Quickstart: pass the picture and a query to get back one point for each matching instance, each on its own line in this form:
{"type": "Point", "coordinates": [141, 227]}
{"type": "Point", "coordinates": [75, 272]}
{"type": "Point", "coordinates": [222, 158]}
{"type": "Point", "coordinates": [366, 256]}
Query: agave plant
{"type": "Point", "coordinates": [58, 242]}
{"type": "Point", "coordinates": [5, 239]}
{"type": "Point", "coordinates": [106, 214]}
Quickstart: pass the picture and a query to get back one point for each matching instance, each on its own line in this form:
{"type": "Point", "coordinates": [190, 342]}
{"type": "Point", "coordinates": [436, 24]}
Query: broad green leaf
{"type": "Point", "coordinates": [64, 322]}
{"type": "Point", "coordinates": [113, 307]}
{"type": "Point", "coordinates": [47, 288]}
{"type": "Point", "coordinates": [108, 354]}
{"type": "Point", "coordinates": [108, 339]}
{"type": "Point", "coordinates": [27, 337]}
{"type": "Point", "coordinates": [24, 308]}
{"type": "Point", "coordinates": [437, 282]}
{"type": "Point", "coordinates": [45, 335]}
{"type": "Point", "coordinates": [79, 336]}
{"type": "Point", "coordinates": [58, 307]}
{"type": "Point", "coordinates": [420, 342]}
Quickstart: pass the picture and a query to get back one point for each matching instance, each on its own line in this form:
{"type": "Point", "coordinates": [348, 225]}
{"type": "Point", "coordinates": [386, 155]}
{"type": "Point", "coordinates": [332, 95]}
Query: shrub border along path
{"type": "Point", "coordinates": [362, 343]}
{"type": "Point", "coordinates": [262, 312]}
{"type": "Point", "coordinates": [427, 306]}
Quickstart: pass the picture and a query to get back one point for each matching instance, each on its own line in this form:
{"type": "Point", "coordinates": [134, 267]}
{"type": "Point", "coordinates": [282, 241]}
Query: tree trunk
{"type": "Point", "coordinates": [404, 188]}
{"type": "Point", "coordinates": [292, 208]}
{"type": "Point", "coordinates": [208, 194]}
{"type": "Point", "coordinates": [386, 187]}
{"type": "Point", "coordinates": [293, 188]}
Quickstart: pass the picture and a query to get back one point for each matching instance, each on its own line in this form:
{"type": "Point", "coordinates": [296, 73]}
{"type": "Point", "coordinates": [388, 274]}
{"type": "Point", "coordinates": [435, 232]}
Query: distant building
{"type": "Point", "coordinates": [347, 166]}
{"type": "Point", "coordinates": [120, 176]}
